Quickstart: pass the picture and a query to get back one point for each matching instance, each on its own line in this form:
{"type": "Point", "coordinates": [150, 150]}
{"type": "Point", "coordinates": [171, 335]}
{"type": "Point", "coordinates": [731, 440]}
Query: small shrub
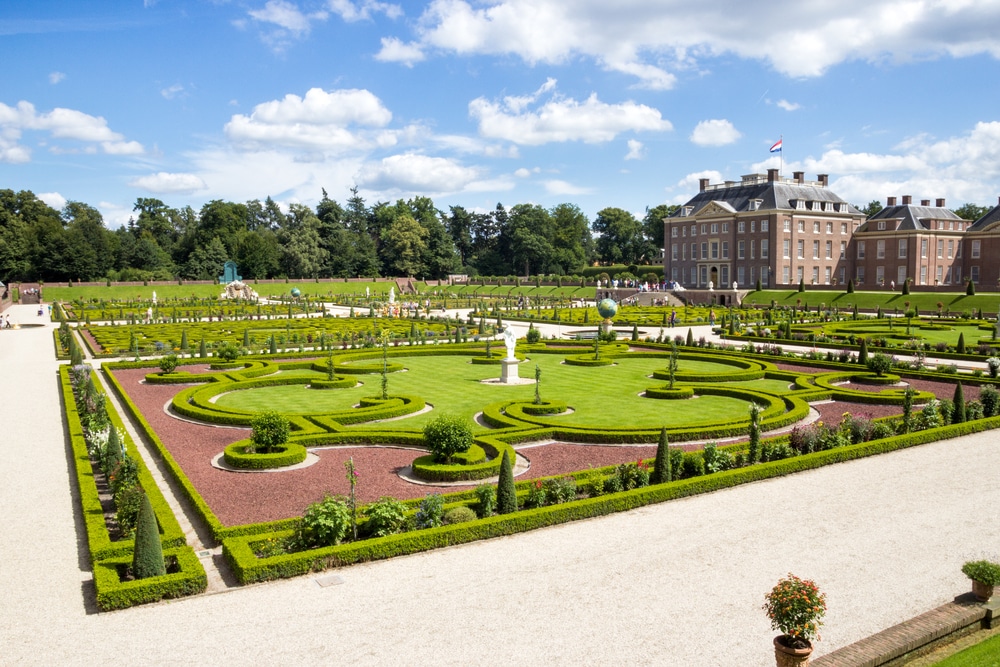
{"type": "Point", "coordinates": [168, 364]}
{"type": "Point", "coordinates": [990, 399]}
{"type": "Point", "coordinates": [431, 512]}
{"type": "Point", "coordinates": [633, 475]}
{"type": "Point", "coordinates": [879, 363]}
{"type": "Point", "coordinates": [270, 431]}
{"type": "Point", "coordinates": [128, 502]}
{"type": "Point", "coordinates": [536, 495]}
{"type": "Point", "coordinates": [324, 523]}
{"type": "Point", "coordinates": [993, 364]}
{"type": "Point", "coordinates": [693, 465]}
{"type": "Point", "coordinates": [228, 352]}
{"type": "Point", "coordinates": [613, 484]}
{"type": "Point", "coordinates": [506, 493]}
{"type": "Point", "coordinates": [983, 571]}
{"type": "Point", "coordinates": [459, 515]}
{"type": "Point", "coordinates": [386, 516]}
{"type": "Point", "coordinates": [881, 430]}
{"type": "Point", "coordinates": [560, 490]}
{"type": "Point", "coordinates": [487, 500]}
{"type": "Point", "coordinates": [447, 435]}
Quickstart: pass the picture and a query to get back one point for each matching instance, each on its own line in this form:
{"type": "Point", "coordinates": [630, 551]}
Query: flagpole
{"type": "Point", "coordinates": [781, 155]}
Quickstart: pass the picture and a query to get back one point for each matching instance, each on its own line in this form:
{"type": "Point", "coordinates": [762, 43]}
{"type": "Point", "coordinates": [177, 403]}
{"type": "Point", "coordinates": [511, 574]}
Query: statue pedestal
{"type": "Point", "coordinates": [606, 326]}
{"type": "Point", "coordinates": [508, 371]}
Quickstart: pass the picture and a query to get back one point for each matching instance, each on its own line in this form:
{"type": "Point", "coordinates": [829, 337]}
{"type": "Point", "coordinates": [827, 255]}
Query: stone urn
{"type": "Point", "coordinates": [786, 656]}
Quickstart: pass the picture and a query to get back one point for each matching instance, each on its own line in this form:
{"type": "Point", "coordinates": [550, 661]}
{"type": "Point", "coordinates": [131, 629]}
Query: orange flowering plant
{"type": "Point", "coordinates": [795, 607]}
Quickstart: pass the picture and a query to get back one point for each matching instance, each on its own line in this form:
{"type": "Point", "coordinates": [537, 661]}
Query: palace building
{"type": "Point", "coordinates": [782, 231]}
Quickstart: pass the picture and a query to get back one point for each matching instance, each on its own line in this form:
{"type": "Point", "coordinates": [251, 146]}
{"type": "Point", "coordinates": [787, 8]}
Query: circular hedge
{"type": "Point", "coordinates": [665, 393]}
{"type": "Point", "coordinates": [588, 360]}
{"type": "Point", "coordinates": [338, 383]}
{"type": "Point", "coordinates": [225, 366]}
{"type": "Point", "coordinates": [288, 454]}
{"type": "Point", "coordinates": [544, 408]}
{"type": "Point", "coordinates": [470, 465]}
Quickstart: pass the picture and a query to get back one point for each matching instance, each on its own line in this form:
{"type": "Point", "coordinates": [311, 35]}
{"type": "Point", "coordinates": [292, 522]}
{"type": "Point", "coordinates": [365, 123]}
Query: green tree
{"type": "Point", "coordinates": [652, 223]}
{"type": "Point", "coordinates": [873, 207]}
{"type": "Point", "coordinates": [620, 238]}
{"type": "Point", "coordinates": [506, 493]}
{"type": "Point", "coordinates": [971, 211]}
{"type": "Point", "coordinates": [572, 242]}
{"type": "Point", "coordinates": [206, 262]}
{"type": "Point", "coordinates": [302, 254]}
{"type": "Point", "coordinates": [404, 243]}
{"type": "Point", "coordinates": [147, 555]}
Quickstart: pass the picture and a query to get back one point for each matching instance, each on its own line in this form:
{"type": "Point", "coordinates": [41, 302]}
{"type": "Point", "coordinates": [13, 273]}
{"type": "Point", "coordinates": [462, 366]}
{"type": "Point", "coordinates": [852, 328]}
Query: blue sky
{"type": "Point", "coordinates": [471, 103]}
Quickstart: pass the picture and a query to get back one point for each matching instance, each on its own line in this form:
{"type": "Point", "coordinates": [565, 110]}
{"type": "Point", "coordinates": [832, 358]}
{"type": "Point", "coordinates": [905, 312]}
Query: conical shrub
{"type": "Point", "coordinates": [958, 416]}
{"type": "Point", "coordinates": [147, 557]}
{"type": "Point", "coordinates": [661, 466]}
{"type": "Point", "coordinates": [506, 494]}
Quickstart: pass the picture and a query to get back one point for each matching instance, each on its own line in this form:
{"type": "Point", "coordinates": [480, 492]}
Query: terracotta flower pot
{"type": "Point", "coordinates": [983, 592]}
{"type": "Point", "coordinates": [786, 656]}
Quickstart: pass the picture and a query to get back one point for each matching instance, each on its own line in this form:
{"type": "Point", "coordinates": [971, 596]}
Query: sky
{"type": "Point", "coordinates": [478, 102]}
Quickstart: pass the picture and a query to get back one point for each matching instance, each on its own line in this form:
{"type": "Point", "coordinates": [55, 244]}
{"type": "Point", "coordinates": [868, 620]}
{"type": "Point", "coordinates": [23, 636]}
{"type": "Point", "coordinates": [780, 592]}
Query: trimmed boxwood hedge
{"type": "Point", "coordinates": [667, 393]}
{"type": "Point", "coordinates": [588, 360]}
{"type": "Point", "coordinates": [290, 454]}
{"type": "Point", "coordinates": [99, 539]}
{"type": "Point", "coordinates": [336, 383]}
{"type": "Point", "coordinates": [113, 593]}
{"type": "Point", "coordinates": [248, 568]}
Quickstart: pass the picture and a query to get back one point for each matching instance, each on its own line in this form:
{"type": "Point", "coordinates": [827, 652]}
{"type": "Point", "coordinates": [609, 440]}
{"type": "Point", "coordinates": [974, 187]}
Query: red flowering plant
{"type": "Point", "coordinates": [795, 607]}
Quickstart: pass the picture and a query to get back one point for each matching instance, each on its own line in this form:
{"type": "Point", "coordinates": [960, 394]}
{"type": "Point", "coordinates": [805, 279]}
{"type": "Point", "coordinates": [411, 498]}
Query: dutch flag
{"type": "Point", "coordinates": [776, 148]}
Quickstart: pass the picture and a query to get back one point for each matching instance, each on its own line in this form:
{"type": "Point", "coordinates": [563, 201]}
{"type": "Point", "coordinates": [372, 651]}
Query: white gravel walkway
{"type": "Point", "coordinates": [675, 584]}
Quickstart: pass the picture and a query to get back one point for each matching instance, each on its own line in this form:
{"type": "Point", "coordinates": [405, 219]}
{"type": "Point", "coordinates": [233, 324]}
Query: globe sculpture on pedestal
{"type": "Point", "coordinates": [606, 308]}
{"type": "Point", "coordinates": [296, 292]}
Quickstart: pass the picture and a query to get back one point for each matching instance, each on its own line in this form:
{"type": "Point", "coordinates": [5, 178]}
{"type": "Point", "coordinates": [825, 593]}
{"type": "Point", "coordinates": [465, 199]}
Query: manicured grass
{"type": "Point", "coordinates": [983, 654]}
{"type": "Point", "coordinates": [186, 291]}
{"type": "Point", "coordinates": [601, 397]}
{"type": "Point", "coordinates": [928, 330]}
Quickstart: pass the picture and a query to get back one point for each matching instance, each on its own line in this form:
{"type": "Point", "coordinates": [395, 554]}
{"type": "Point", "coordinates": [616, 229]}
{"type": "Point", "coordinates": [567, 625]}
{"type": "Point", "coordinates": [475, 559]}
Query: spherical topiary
{"type": "Point", "coordinates": [448, 435]}
{"type": "Point", "coordinates": [147, 555]}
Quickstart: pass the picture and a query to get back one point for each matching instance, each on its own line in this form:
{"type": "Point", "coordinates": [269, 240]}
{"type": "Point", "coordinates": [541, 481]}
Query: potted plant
{"type": "Point", "coordinates": [795, 607]}
{"type": "Point", "coordinates": [985, 575]}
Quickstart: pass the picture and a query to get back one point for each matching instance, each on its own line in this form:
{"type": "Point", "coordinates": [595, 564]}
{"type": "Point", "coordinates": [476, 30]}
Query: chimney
{"type": "Point", "coordinates": [907, 200]}
{"type": "Point", "coordinates": [925, 202]}
{"type": "Point", "coordinates": [824, 179]}
{"type": "Point", "coordinates": [890, 201]}
{"type": "Point", "coordinates": [702, 184]}
{"type": "Point", "coordinates": [939, 202]}
{"type": "Point", "coordinates": [800, 177]}
{"type": "Point", "coordinates": [772, 175]}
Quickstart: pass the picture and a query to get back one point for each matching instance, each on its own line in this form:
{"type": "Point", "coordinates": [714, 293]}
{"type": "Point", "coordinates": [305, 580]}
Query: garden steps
{"type": "Point", "coordinates": [956, 618]}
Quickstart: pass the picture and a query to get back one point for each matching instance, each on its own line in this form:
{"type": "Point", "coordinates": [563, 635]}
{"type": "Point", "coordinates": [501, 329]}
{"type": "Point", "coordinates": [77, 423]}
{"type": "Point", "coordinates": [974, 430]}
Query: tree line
{"type": "Point", "coordinates": [405, 238]}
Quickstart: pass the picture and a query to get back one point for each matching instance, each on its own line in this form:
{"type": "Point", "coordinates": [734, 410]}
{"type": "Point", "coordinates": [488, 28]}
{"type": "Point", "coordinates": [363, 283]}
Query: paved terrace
{"type": "Point", "coordinates": [679, 583]}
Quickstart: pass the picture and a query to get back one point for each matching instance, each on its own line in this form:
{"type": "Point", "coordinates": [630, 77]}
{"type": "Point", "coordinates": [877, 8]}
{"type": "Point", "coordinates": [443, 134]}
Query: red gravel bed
{"type": "Point", "coordinates": [831, 413]}
{"type": "Point", "coordinates": [239, 498]}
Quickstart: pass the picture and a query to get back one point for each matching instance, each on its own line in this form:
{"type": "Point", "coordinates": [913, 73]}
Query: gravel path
{"type": "Point", "coordinates": [883, 537]}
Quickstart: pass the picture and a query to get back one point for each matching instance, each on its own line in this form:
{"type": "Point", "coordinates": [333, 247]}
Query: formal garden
{"type": "Point", "coordinates": [311, 443]}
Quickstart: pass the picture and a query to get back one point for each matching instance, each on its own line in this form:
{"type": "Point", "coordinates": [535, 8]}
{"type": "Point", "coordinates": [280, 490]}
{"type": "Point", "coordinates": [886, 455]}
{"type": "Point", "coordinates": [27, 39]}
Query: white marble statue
{"type": "Point", "coordinates": [711, 286]}
{"type": "Point", "coordinates": [154, 297]}
{"type": "Point", "coordinates": [735, 286]}
{"type": "Point", "coordinates": [392, 295]}
{"type": "Point", "coordinates": [510, 340]}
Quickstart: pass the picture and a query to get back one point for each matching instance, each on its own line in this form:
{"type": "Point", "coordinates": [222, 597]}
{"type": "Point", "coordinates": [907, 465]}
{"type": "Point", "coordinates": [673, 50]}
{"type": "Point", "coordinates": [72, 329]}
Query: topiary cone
{"type": "Point", "coordinates": [661, 466]}
{"type": "Point", "coordinates": [506, 494]}
{"type": "Point", "coordinates": [147, 556]}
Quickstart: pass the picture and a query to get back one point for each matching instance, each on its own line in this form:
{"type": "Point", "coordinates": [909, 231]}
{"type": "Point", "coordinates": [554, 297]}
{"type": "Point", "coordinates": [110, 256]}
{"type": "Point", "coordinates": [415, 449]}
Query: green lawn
{"type": "Point", "coordinates": [983, 654]}
{"type": "Point", "coordinates": [188, 290]}
{"type": "Point", "coordinates": [601, 397]}
{"type": "Point", "coordinates": [955, 302]}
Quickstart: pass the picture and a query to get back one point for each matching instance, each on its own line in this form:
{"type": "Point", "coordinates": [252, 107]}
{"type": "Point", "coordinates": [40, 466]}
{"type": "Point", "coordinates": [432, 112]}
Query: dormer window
{"type": "Point", "coordinates": [755, 204]}
{"type": "Point", "coordinates": [881, 225]}
{"type": "Point", "coordinates": [800, 204]}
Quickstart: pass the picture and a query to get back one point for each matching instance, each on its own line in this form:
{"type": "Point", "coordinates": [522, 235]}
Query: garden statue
{"type": "Point", "coordinates": [711, 286]}
{"type": "Point", "coordinates": [510, 340]}
{"type": "Point", "coordinates": [392, 295]}
{"type": "Point", "coordinates": [735, 286]}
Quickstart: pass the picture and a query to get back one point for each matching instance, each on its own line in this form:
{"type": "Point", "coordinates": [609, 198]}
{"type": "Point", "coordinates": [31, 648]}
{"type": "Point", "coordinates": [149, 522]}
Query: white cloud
{"type": "Point", "coordinates": [558, 187]}
{"type": "Point", "coordinates": [172, 91]}
{"type": "Point", "coordinates": [636, 151]}
{"type": "Point", "coordinates": [649, 40]}
{"type": "Point", "coordinates": [788, 106]}
{"type": "Point", "coordinates": [59, 123]}
{"type": "Point", "coordinates": [717, 132]}
{"type": "Point", "coordinates": [319, 121]}
{"type": "Point", "coordinates": [412, 172]}
{"type": "Point", "coordinates": [359, 11]}
{"type": "Point", "coordinates": [395, 51]}
{"type": "Point", "coordinates": [286, 15]}
{"type": "Point", "coordinates": [562, 119]}
{"type": "Point", "coordinates": [164, 183]}
{"type": "Point", "coordinates": [56, 77]}
{"type": "Point", "coordinates": [53, 199]}
{"type": "Point", "coordinates": [690, 182]}
{"type": "Point", "coordinates": [524, 172]}
{"type": "Point", "coordinates": [291, 23]}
